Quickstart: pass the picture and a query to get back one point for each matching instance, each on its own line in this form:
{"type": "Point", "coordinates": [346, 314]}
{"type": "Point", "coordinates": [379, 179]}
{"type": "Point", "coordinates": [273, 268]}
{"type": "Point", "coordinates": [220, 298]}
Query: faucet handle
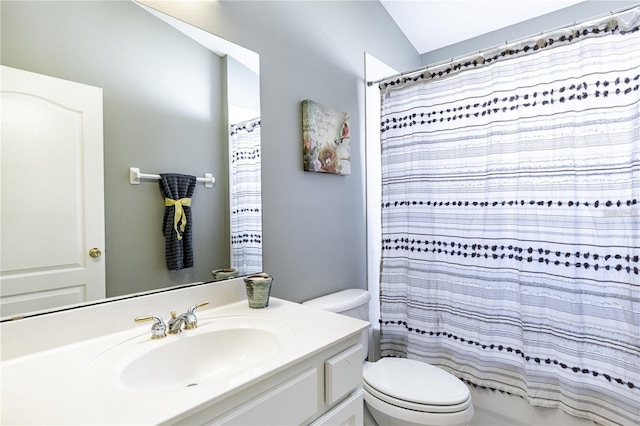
{"type": "Point", "coordinates": [191, 321]}
{"type": "Point", "coordinates": [199, 305]}
{"type": "Point", "coordinates": [158, 329]}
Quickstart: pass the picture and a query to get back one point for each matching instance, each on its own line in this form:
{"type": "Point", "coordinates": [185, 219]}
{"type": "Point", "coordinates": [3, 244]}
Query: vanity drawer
{"type": "Point", "coordinates": [342, 374]}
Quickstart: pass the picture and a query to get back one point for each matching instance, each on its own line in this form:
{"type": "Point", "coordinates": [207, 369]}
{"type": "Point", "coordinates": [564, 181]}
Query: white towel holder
{"type": "Point", "coordinates": [135, 176]}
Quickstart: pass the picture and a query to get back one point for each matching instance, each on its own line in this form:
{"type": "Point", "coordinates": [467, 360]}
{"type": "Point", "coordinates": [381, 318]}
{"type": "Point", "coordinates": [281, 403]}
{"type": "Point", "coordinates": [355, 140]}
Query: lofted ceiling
{"type": "Point", "coordinates": [432, 24]}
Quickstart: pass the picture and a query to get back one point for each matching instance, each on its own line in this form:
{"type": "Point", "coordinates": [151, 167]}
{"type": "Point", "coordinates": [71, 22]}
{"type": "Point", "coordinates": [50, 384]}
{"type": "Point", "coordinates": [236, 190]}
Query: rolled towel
{"type": "Point", "coordinates": [177, 225]}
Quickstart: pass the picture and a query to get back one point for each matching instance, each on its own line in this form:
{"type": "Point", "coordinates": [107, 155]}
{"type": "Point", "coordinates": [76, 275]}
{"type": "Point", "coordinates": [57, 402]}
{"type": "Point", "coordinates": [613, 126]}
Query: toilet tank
{"type": "Point", "coordinates": [352, 302]}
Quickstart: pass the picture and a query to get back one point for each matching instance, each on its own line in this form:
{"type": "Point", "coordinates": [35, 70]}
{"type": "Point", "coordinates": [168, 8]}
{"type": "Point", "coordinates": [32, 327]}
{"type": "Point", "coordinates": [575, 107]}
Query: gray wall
{"type": "Point", "coordinates": [162, 113]}
{"type": "Point", "coordinates": [314, 224]}
{"type": "Point", "coordinates": [243, 86]}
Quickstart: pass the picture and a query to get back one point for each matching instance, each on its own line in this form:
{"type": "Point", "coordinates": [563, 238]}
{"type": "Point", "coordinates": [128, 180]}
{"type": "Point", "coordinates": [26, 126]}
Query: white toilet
{"type": "Point", "coordinates": [399, 391]}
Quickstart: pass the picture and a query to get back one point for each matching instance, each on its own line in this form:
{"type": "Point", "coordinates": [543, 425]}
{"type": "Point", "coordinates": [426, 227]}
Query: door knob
{"type": "Point", "coordinates": [95, 252]}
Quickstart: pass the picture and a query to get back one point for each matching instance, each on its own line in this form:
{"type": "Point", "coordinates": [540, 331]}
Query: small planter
{"type": "Point", "coordinates": [258, 290]}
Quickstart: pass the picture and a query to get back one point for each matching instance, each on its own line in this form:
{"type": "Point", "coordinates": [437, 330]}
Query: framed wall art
{"type": "Point", "coordinates": [325, 139]}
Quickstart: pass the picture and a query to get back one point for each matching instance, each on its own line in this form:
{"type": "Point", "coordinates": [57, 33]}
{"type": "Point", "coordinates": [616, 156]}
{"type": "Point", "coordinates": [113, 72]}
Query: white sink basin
{"type": "Point", "coordinates": [223, 348]}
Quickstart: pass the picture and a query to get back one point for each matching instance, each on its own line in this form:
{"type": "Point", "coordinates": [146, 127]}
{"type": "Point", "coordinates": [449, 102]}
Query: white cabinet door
{"type": "Point", "coordinates": [349, 412]}
{"type": "Point", "coordinates": [52, 196]}
{"type": "Point", "coordinates": [289, 403]}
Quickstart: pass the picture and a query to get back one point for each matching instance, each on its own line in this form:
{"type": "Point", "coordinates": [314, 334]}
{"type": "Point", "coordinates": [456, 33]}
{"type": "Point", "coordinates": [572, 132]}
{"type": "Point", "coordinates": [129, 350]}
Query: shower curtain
{"type": "Point", "coordinates": [511, 223]}
{"type": "Point", "coordinates": [246, 197]}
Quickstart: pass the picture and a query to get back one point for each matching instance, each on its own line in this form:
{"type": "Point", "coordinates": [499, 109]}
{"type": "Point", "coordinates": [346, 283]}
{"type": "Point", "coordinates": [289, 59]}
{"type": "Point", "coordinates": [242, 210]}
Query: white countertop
{"type": "Point", "coordinates": [47, 386]}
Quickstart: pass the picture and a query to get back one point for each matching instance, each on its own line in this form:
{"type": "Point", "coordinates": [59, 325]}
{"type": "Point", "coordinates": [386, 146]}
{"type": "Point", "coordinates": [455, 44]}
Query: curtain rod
{"type": "Point", "coordinates": [479, 52]}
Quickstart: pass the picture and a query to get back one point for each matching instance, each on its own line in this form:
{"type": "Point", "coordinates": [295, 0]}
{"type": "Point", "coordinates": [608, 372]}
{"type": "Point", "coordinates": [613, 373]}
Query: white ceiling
{"type": "Point", "coordinates": [432, 24]}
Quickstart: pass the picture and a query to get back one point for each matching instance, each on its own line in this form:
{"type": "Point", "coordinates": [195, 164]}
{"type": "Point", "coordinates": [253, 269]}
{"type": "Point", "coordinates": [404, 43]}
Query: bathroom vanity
{"type": "Point", "coordinates": [286, 364]}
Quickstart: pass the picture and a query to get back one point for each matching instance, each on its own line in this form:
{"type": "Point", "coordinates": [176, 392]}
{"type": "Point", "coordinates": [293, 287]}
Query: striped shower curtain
{"type": "Point", "coordinates": [511, 219]}
{"type": "Point", "coordinates": [246, 197]}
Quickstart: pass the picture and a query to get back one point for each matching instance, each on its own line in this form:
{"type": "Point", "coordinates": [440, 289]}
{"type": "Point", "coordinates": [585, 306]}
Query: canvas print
{"type": "Point", "coordinates": [325, 135]}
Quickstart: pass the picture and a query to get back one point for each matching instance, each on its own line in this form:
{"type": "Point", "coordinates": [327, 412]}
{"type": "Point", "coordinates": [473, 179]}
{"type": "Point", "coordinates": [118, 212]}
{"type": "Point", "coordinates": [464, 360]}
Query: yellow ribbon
{"type": "Point", "coordinates": [179, 214]}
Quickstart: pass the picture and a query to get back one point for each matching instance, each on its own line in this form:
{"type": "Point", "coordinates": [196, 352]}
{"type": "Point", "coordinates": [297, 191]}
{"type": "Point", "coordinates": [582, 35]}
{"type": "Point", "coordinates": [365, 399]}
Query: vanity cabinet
{"type": "Point", "coordinates": [308, 368]}
{"type": "Point", "coordinates": [323, 389]}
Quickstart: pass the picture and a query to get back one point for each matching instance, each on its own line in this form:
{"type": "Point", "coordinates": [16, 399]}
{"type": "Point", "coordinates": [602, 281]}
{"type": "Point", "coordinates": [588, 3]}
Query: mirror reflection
{"type": "Point", "coordinates": [172, 103]}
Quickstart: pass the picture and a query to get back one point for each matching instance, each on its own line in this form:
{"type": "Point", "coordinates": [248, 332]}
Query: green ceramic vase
{"type": "Point", "coordinates": [224, 274]}
{"type": "Point", "coordinates": [258, 290]}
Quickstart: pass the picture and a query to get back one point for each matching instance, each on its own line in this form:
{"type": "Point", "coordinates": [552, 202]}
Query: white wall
{"type": "Point", "coordinates": [563, 17]}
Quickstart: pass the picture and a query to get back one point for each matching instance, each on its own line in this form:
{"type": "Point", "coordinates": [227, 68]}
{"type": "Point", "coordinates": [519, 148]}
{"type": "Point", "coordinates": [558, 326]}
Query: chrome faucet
{"type": "Point", "coordinates": [158, 329]}
{"type": "Point", "coordinates": [189, 319]}
{"type": "Point", "coordinates": [175, 323]}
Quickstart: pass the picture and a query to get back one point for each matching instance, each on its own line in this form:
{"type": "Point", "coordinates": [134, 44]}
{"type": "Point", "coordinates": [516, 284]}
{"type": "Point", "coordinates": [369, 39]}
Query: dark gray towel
{"type": "Point", "coordinates": [178, 236]}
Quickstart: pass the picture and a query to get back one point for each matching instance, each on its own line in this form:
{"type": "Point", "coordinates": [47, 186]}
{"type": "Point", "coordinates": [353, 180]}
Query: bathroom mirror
{"type": "Point", "coordinates": [170, 94]}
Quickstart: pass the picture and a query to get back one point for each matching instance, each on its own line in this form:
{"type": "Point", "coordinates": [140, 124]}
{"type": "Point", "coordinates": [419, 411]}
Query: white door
{"type": "Point", "coordinates": [51, 193]}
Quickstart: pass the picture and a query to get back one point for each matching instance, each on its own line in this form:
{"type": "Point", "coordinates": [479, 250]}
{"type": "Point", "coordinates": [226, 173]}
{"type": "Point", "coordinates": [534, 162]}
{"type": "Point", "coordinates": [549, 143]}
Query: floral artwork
{"type": "Point", "coordinates": [325, 135]}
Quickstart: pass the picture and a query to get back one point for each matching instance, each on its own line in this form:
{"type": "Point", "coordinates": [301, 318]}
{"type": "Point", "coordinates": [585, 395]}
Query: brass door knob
{"type": "Point", "coordinates": [95, 252]}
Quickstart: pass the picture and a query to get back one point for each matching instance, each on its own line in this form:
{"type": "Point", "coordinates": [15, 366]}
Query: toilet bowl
{"type": "Point", "coordinates": [399, 391]}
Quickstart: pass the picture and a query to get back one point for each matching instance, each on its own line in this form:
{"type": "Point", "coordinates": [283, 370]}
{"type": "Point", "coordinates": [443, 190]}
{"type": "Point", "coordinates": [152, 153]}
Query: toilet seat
{"type": "Point", "coordinates": [416, 386]}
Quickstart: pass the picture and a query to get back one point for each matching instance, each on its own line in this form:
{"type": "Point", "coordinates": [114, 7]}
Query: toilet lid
{"type": "Point", "coordinates": [416, 382]}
